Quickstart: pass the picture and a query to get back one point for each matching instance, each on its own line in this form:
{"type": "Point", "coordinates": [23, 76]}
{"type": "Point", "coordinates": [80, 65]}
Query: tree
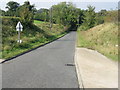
{"type": "Point", "coordinates": [26, 13]}
{"type": "Point", "coordinates": [65, 14]}
{"type": "Point", "coordinates": [2, 12]}
{"type": "Point", "coordinates": [42, 14]}
{"type": "Point", "coordinates": [100, 16]}
{"type": "Point", "coordinates": [103, 12]}
{"type": "Point", "coordinates": [81, 17]}
{"type": "Point", "coordinates": [89, 17]}
{"type": "Point", "coordinates": [12, 8]}
{"type": "Point", "coordinates": [99, 19]}
{"type": "Point", "coordinates": [30, 7]}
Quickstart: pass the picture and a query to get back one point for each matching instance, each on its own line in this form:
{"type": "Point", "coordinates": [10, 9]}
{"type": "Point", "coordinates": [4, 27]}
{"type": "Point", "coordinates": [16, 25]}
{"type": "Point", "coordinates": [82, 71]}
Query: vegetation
{"type": "Point", "coordinates": [32, 37]}
{"type": "Point", "coordinates": [35, 33]}
{"type": "Point", "coordinates": [89, 18]}
{"type": "Point", "coordinates": [44, 25]}
{"type": "Point", "coordinates": [42, 14]}
{"type": "Point", "coordinates": [63, 13]}
{"type": "Point", "coordinates": [12, 8]}
{"type": "Point", "coordinates": [38, 22]}
{"type": "Point", "coordinates": [103, 38]}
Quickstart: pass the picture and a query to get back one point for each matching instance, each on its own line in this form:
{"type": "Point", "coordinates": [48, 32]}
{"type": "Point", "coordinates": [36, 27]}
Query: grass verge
{"type": "Point", "coordinates": [35, 36]}
{"type": "Point", "coordinates": [103, 38]}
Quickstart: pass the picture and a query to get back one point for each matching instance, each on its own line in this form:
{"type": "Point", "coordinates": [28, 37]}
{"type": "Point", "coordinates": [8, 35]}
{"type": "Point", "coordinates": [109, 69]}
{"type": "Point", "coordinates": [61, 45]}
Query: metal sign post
{"type": "Point", "coordinates": [19, 28]}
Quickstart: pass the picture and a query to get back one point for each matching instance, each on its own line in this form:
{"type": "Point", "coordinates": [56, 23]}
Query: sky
{"type": "Point", "coordinates": [99, 4]}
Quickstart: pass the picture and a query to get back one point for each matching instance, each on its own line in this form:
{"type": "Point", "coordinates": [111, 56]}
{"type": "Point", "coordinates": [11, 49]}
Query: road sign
{"type": "Point", "coordinates": [19, 27]}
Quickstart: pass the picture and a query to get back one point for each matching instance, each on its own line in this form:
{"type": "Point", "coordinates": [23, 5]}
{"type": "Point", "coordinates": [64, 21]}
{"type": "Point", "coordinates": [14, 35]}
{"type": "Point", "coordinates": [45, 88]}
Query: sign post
{"type": "Point", "coordinates": [19, 28]}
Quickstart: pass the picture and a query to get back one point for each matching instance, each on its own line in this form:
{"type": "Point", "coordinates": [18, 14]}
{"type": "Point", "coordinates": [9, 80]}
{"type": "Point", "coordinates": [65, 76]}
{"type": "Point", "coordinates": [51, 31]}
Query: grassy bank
{"type": "Point", "coordinates": [103, 38]}
{"type": "Point", "coordinates": [37, 34]}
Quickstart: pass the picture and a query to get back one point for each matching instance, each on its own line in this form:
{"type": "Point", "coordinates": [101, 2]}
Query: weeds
{"type": "Point", "coordinates": [32, 37]}
{"type": "Point", "coordinates": [103, 38]}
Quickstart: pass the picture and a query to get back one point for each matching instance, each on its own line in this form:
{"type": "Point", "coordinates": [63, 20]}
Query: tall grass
{"type": "Point", "coordinates": [103, 38]}
{"type": "Point", "coordinates": [37, 34]}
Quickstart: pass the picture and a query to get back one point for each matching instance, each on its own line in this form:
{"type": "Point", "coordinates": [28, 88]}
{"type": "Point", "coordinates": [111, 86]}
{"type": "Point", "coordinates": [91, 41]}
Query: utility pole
{"type": "Point", "coordinates": [51, 18]}
{"type": "Point", "coordinates": [78, 20]}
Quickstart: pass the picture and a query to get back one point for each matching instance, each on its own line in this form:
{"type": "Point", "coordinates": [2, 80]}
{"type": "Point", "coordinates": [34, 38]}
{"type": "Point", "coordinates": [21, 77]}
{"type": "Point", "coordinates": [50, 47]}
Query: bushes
{"type": "Point", "coordinates": [32, 36]}
{"type": "Point", "coordinates": [83, 28]}
{"type": "Point", "coordinates": [25, 12]}
{"type": "Point", "coordinates": [111, 16]}
{"type": "Point", "coordinates": [10, 21]}
{"type": "Point", "coordinates": [103, 38]}
{"type": "Point", "coordinates": [92, 19]}
{"type": "Point", "coordinates": [8, 28]}
{"type": "Point", "coordinates": [23, 45]}
{"type": "Point", "coordinates": [42, 14]}
{"type": "Point", "coordinates": [89, 19]}
{"type": "Point", "coordinates": [8, 31]}
{"type": "Point", "coordinates": [99, 20]}
{"type": "Point", "coordinates": [26, 17]}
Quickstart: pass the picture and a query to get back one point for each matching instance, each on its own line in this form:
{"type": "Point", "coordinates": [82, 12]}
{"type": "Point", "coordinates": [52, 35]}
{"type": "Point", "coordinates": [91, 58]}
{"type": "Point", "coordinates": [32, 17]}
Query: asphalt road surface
{"type": "Point", "coordinates": [46, 67]}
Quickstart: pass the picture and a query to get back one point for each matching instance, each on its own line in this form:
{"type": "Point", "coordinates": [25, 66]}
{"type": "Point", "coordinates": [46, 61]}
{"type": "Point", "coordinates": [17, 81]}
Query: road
{"type": "Point", "coordinates": [45, 67]}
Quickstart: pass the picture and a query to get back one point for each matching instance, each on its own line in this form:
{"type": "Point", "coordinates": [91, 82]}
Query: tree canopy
{"type": "Point", "coordinates": [65, 13]}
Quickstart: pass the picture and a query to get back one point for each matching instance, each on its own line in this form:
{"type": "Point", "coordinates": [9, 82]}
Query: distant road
{"type": "Point", "coordinates": [45, 67]}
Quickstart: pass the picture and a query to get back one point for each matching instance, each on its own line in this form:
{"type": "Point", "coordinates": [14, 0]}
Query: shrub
{"type": "Point", "coordinates": [11, 21]}
{"type": "Point", "coordinates": [83, 27]}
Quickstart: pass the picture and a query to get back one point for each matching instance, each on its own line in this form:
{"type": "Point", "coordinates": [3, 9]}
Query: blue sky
{"type": "Point", "coordinates": [99, 4]}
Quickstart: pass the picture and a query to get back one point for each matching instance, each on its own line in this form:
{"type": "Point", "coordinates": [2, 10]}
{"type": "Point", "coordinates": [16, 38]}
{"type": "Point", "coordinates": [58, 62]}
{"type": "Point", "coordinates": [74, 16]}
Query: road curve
{"type": "Point", "coordinates": [45, 67]}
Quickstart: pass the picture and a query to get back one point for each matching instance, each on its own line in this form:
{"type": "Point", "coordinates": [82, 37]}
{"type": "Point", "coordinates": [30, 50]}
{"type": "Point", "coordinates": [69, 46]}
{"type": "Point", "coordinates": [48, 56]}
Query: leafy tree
{"type": "Point", "coordinates": [12, 8]}
{"type": "Point", "coordinates": [99, 19]}
{"type": "Point", "coordinates": [81, 17]}
{"type": "Point", "coordinates": [42, 14]}
{"type": "Point", "coordinates": [26, 16]}
{"type": "Point", "coordinates": [65, 14]}
{"type": "Point", "coordinates": [2, 12]}
{"type": "Point", "coordinates": [26, 13]}
{"type": "Point", "coordinates": [100, 16]}
{"type": "Point", "coordinates": [89, 17]}
{"type": "Point", "coordinates": [30, 7]}
{"type": "Point", "coordinates": [102, 12]}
